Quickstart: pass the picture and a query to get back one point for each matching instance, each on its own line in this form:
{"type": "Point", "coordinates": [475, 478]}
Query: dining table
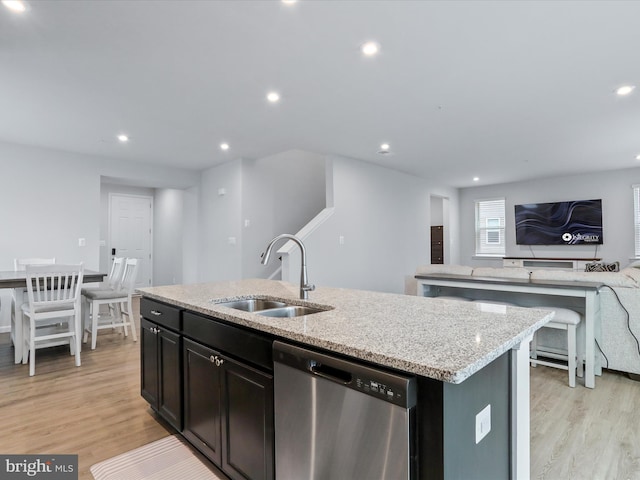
{"type": "Point", "coordinates": [17, 281]}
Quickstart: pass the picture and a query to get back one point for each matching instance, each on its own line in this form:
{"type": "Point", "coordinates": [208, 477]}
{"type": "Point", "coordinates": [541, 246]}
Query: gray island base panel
{"type": "Point", "coordinates": [466, 357]}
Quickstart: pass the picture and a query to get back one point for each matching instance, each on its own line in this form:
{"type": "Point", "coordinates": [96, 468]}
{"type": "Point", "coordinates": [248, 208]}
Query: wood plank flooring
{"type": "Point", "coordinates": [582, 433]}
{"type": "Point", "coordinates": [96, 411]}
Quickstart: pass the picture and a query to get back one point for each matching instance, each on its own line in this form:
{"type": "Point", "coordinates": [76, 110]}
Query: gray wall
{"type": "Point", "coordinates": [245, 203]}
{"type": "Point", "coordinates": [168, 228]}
{"type": "Point", "coordinates": [613, 187]}
{"type": "Point", "coordinates": [221, 213]}
{"type": "Point", "coordinates": [281, 193]}
{"type": "Point", "coordinates": [384, 218]}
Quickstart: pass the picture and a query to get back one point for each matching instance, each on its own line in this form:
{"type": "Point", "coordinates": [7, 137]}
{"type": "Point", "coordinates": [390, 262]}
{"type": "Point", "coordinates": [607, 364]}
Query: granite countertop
{"type": "Point", "coordinates": [442, 339]}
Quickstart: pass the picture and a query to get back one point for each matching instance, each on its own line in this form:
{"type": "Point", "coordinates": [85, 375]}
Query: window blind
{"type": "Point", "coordinates": [490, 224]}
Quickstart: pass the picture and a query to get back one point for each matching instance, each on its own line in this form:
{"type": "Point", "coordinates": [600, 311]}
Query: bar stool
{"type": "Point", "coordinates": [569, 321]}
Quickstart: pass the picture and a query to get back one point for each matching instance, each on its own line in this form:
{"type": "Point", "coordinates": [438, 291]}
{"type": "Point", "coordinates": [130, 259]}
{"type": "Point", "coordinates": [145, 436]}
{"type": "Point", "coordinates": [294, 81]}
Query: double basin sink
{"type": "Point", "coordinates": [271, 308]}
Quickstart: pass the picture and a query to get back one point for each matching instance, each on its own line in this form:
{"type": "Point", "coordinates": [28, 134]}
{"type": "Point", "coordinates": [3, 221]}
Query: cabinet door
{"type": "Point", "coordinates": [202, 399]}
{"type": "Point", "coordinates": [149, 363]}
{"type": "Point", "coordinates": [170, 372]}
{"type": "Point", "coordinates": [248, 439]}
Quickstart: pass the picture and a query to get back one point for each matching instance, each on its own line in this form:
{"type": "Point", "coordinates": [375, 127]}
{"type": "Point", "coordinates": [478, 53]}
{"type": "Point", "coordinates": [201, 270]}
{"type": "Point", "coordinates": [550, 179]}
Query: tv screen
{"type": "Point", "coordinates": [559, 223]}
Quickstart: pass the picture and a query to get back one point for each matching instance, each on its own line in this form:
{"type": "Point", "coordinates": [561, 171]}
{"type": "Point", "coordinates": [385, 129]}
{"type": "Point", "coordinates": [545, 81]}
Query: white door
{"type": "Point", "coordinates": [130, 232]}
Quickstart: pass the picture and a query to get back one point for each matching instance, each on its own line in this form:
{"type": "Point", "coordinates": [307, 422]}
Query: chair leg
{"type": "Point", "coordinates": [77, 325]}
{"type": "Point", "coordinates": [571, 352]}
{"type": "Point", "coordinates": [132, 321]}
{"type": "Point", "coordinates": [32, 348]}
{"type": "Point", "coordinates": [95, 311]}
{"type": "Point", "coordinates": [120, 316]}
{"type": "Point", "coordinates": [86, 318]}
{"type": "Point", "coordinates": [26, 336]}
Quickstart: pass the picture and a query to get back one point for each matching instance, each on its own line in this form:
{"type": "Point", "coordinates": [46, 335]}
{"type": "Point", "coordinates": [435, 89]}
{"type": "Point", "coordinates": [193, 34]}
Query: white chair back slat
{"type": "Point", "coordinates": [129, 275]}
{"type": "Point", "coordinates": [117, 270]}
{"type": "Point", "coordinates": [52, 286]}
{"type": "Point", "coordinates": [19, 264]}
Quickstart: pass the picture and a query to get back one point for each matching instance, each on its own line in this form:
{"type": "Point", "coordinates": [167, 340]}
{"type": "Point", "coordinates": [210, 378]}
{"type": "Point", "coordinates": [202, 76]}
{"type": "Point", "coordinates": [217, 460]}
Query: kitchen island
{"type": "Point", "coordinates": [465, 356]}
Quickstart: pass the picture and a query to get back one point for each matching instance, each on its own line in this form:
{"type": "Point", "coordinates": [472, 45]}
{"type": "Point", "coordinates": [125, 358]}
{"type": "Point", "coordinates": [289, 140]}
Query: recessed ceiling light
{"type": "Point", "coordinates": [476, 179]}
{"type": "Point", "coordinates": [15, 5]}
{"type": "Point", "coordinates": [384, 146]}
{"type": "Point", "coordinates": [273, 97]}
{"type": "Point", "coordinates": [123, 138]}
{"type": "Point", "coordinates": [224, 146]}
{"type": "Point", "coordinates": [289, 2]}
{"type": "Point", "coordinates": [370, 49]}
{"type": "Point", "coordinates": [625, 90]}
{"type": "Point", "coordinates": [638, 157]}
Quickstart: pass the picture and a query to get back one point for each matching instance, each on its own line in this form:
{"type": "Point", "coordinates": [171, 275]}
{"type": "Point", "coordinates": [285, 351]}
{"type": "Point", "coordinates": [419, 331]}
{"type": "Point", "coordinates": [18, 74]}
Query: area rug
{"type": "Point", "coordinates": [165, 459]}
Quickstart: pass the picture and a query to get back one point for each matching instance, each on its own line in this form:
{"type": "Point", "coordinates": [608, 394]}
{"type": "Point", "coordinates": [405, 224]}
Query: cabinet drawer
{"type": "Point", "coordinates": [240, 343]}
{"type": "Point", "coordinates": [161, 313]}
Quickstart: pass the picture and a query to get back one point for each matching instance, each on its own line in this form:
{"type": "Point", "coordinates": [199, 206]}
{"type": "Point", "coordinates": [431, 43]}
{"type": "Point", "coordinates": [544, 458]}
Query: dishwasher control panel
{"type": "Point", "coordinates": [387, 386]}
{"type": "Point", "coordinates": [384, 391]}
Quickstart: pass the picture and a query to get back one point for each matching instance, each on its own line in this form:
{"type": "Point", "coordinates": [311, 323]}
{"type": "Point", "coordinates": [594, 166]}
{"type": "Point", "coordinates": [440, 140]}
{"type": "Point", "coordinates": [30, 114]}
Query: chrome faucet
{"type": "Point", "coordinates": [305, 286]}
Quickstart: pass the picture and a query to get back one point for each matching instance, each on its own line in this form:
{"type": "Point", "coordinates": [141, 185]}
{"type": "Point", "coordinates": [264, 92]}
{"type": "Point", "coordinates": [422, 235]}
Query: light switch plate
{"type": "Point", "coordinates": [483, 423]}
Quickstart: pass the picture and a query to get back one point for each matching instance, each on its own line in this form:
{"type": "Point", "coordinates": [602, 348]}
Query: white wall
{"type": "Point", "coordinates": [384, 218]}
{"type": "Point", "coordinates": [281, 193]}
{"type": "Point", "coordinates": [48, 201]}
{"type": "Point", "coordinates": [614, 188]}
{"type": "Point", "coordinates": [263, 198]}
{"type": "Point", "coordinates": [168, 205]}
{"type": "Point", "coordinates": [191, 235]}
{"type": "Point", "coordinates": [221, 210]}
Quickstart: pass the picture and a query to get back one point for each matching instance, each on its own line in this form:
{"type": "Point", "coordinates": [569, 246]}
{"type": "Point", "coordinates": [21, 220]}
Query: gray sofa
{"type": "Point", "coordinates": [620, 331]}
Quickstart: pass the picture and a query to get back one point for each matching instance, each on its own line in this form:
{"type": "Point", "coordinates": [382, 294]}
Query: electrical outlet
{"type": "Point", "coordinates": [483, 423]}
{"type": "Point", "coordinates": [82, 242]}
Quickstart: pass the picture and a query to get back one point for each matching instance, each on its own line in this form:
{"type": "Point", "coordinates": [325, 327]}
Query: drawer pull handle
{"type": "Point", "coordinates": [219, 361]}
{"type": "Point", "coordinates": [156, 313]}
{"type": "Point", "coordinates": [213, 359]}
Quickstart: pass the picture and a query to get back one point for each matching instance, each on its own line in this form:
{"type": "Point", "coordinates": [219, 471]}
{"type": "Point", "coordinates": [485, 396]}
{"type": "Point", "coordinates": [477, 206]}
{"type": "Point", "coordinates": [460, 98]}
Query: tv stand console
{"type": "Point", "coordinates": [577, 264]}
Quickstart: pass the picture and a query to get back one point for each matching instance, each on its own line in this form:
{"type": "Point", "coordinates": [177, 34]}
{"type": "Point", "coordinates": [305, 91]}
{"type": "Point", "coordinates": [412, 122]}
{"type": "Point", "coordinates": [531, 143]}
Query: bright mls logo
{"type": "Point", "coordinates": [50, 467]}
{"type": "Point", "coordinates": [572, 238]}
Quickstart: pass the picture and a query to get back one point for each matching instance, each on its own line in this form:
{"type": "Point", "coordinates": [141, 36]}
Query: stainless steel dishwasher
{"type": "Point", "coordinates": [340, 420]}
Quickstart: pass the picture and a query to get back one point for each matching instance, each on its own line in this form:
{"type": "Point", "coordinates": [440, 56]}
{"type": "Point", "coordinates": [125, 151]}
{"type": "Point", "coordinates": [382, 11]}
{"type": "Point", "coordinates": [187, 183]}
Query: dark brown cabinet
{"type": "Point", "coordinates": [161, 361]}
{"type": "Point", "coordinates": [228, 404]}
{"type": "Point", "coordinates": [437, 244]}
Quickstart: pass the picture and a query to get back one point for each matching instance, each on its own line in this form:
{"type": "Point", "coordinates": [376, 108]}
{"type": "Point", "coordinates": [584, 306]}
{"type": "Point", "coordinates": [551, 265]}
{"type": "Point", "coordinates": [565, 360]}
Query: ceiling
{"type": "Point", "coordinates": [506, 91]}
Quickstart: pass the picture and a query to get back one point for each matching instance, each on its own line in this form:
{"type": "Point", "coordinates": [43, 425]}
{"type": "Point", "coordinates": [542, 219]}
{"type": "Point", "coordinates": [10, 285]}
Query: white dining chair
{"type": "Point", "coordinates": [119, 301]}
{"type": "Point", "coordinates": [17, 299]}
{"type": "Point", "coordinates": [113, 279]}
{"type": "Point", "coordinates": [54, 294]}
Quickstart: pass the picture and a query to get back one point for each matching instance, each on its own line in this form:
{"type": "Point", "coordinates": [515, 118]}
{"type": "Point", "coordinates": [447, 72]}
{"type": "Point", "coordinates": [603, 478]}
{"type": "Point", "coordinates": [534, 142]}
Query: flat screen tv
{"type": "Point", "coordinates": [559, 223]}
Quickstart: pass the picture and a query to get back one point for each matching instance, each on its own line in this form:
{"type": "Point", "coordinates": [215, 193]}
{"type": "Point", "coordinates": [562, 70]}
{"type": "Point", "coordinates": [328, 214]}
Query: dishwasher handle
{"type": "Point", "coordinates": [330, 373]}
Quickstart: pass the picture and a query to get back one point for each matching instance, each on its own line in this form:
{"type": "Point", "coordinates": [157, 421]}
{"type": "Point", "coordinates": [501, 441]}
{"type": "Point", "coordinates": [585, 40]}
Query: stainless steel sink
{"type": "Point", "coordinates": [289, 311]}
{"type": "Point", "coordinates": [271, 308]}
{"type": "Point", "coordinates": [253, 304]}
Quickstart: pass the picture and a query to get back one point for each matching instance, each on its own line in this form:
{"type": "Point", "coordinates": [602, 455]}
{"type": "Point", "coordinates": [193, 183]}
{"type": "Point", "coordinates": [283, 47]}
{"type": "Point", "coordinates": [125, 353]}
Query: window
{"type": "Point", "coordinates": [490, 227]}
{"type": "Point", "coordinates": [636, 217]}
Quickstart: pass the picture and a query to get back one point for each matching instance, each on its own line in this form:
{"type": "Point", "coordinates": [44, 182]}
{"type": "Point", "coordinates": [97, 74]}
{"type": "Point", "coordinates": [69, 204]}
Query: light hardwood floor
{"type": "Point", "coordinates": [96, 411]}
